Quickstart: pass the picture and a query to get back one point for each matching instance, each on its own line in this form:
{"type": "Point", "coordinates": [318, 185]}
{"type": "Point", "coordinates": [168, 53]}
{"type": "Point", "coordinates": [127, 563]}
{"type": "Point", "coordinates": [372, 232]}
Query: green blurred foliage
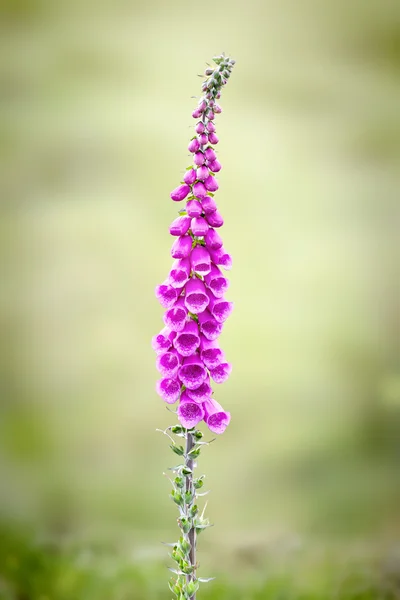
{"type": "Point", "coordinates": [95, 103]}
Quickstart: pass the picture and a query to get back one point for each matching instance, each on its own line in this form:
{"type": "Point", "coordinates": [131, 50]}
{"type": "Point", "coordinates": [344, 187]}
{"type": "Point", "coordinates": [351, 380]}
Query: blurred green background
{"type": "Point", "coordinates": [94, 125]}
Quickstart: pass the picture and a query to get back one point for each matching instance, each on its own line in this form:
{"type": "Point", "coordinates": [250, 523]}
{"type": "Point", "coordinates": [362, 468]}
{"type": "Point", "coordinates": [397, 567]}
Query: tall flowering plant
{"type": "Point", "coordinates": [188, 354]}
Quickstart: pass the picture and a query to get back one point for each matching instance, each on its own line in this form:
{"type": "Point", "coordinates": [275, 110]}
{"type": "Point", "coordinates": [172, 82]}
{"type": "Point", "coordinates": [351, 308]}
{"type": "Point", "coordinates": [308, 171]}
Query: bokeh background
{"type": "Point", "coordinates": [96, 101]}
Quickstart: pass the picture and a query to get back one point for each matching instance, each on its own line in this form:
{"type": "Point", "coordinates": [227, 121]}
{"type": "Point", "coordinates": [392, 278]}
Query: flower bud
{"type": "Point", "coordinates": [203, 139]}
{"type": "Point", "coordinates": [210, 127]}
{"type": "Point", "coordinates": [210, 116]}
{"type": "Point", "coordinates": [194, 208]}
{"type": "Point", "coordinates": [217, 108]}
{"type": "Point", "coordinates": [180, 225]}
{"type": "Point", "coordinates": [194, 145]}
{"type": "Point", "coordinates": [182, 247]}
{"type": "Point", "coordinates": [199, 226]}
{"type": "Point", "coordinates": [220, 257]}
{"type": "Point", "coordinates": [199, 159]}
{"type": "Point", "coordinates": [213, 240]}
{"type": "Point", "coordinates": [196, 113]}
{"type": "Point", "coordinates": [199, 191]}
{"type": "Point", "coordinates": [209, 153]}
{"type": "Point", "coordinates": [209, 206]}
{"type": "Point", "coordinates": [190, 177]}
{"type": "Point", "coordinates": [200, 127]}
{"type": "Point", "coordinates": [180, 192]}
{"type": "Point", "coordinates": [215, 166]}
{"type": "Point", "coordinates": [214, 219]}
{"type": "Point", "coordinates": [202, 173]}
{"type": "Point", "coordinates": [213, 139]}
{"type": "Point", "coordinates": [211, 184]}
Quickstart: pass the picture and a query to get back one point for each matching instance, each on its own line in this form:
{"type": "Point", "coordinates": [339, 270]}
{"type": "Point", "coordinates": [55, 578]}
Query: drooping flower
{"type": "Point", "coordinates": [193, 295]}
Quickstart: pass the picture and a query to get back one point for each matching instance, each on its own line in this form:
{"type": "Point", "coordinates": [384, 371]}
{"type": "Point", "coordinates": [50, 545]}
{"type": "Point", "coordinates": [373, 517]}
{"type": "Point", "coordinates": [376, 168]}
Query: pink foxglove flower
{"type": "Point", "coordinates": [189, 357]}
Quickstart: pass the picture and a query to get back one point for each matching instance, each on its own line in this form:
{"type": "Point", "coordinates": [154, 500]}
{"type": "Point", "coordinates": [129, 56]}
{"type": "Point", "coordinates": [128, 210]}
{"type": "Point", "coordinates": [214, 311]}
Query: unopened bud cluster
{"type": "Point", "coordinates": [188, 354]}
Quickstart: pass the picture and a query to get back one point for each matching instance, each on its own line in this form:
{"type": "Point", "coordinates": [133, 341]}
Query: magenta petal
{"type": "Point", "coordinates": [221, 372]}
{"type": "Point", "coordinates": [192, 373]}
{"type": "Point", "coordinates": [213, 240]}
{"type": "Point", "coordinates": [217, 109]}
{"type": "Point", "coordinates": [175, 317]}
{"type": "Point", "coordinates": [189, 412]}
{"type": "Point", "coordinates": [190, 177]}
{"type": "Point", "coordinates": [216, 282]}
{"type": "Point", "coordinates": [203, 139]}
{"type": "Point", "coordinates": [213, 138]}
{"type": "Point", "coordinates": [162, 342]}
{"type": "Point", "coordinates": [215, 416]}
{"type": "Point", "coordinates": [214, 219]}
{"type": "Point", "coordinates": [210, 126]}
{"type": "Point", "coordinates": [179, 226]}
{"type": "Point", "coordinates": [211, 184]}
{"type": "Point", "coordinates": [215, 166]}
{"type": "Point", "coordinates": [199, 226]}
{"type": "Point", "coordinates": [199, 158]}
{"type": "Point", "coordinates": [180, 192]}
{"type": "Point", "coordinates": [200, 127]}
{"type": "Point", "coordinates": [219, 307]}
{"type": "Point", "coordinates": [194, 145]}
{"type": "Point", "coordinates": [180, 273]}
{"type": "Point", "coordinates": [169, 390]}
{"type": "Point", "coordinates": [166, 294]}
{"type": "Point", "coordinates": [199, 190]}
{"type": "Point", "coordinates": [201, 393]}
{"type": "Point", "coordinates": [209, 326]}
{"type": "Point", "coordinates": [196, 298]}
{"type": "Point", "coordinates": [220, 257]}
{"type": "Point", "coordinates": [209, 153]}
{"type": "Point", "coordinates": [211, 354]}
{"type": "Point", "coordinates": [188, 340]}
{"type": "Point", "coordinates": [209, 206]}
{"type": "Point", "coordinates": [202, 173]}
{"type": "Point", "coordinates": [182, 247]}
{"type": "Point", "coordinates": [194, 208]}
{"type": "Point", "coordinates": [168, 364]}
{"type": "Point", "coordinates": [200, 260]}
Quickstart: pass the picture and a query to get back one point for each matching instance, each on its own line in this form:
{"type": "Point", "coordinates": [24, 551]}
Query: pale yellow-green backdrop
{"type": "Point", "coordinates": [96, 101]}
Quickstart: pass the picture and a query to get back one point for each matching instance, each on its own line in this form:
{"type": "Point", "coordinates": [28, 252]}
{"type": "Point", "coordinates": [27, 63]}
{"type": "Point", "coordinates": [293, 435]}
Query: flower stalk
{"type": "Point", "coordinates": [188, 354]}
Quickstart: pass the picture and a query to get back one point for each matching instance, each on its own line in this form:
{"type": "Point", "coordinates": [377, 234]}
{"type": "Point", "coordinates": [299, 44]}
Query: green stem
{"type": "Point", "coordinates": [189, 488]}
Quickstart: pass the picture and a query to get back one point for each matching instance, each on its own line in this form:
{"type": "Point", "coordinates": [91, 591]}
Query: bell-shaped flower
{"type": "Point", "coordinates": [214, 219]}
{"type": "Point", "coordinates": [219, 307]}
{"type": "Point", "coordinates": [216, 282]}
{"type": "Point", "coordinates": [210, 352]}
{"type": "Point", "coordinates": [196, 297]}
{"type": "Point", "coordinates": [192, 372]}
{"type": "Point", "coordinates": [213, 240]}
{"type": "Point", "coordinates": [166, 294]}
{"type": "Point", "coordinates": [221, 372]}
{"type": "Point", "coordinates": [209, 326]}
{"type": "Point", "coordinates": [209, 206]}
{"type": "Point", "coordinates": [188, 340]}
{"type": "Point", "coordinates": [162, 342]}
{"type": "Point", "coordinates": [179, 273]}
{"type": "Point", "coordinates": [175, 317]}
{"type": "Point", "coordinates": [216, 418]}
{"type": "Point", "coordinates": [222, 258]}
{"type": "Point", "coordinates": [169, 364]}
{"type": "Point", "coordinates": [169, 390]}
{"type": "Point", "coordinates": [200, 260]}
{"type": "Point", "coordinates": [201, 393]}
{"type": "Point", "coordinates": [189, 413]}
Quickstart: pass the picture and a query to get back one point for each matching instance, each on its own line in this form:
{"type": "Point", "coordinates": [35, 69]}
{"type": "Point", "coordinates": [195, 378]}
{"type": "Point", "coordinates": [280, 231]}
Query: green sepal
{"type": "Point", "coordinates": [197, 434]}
{"type": "Point", "coordinates": [191, 588]}
{"type": "Point", "coordinates": [194, 453]}
{"type": "Point", "coordinates": [189, 497]}
{"type": "Point", "coordinates": [174, 588]}
{"type": "Point", "coordinates": [198, 483]}
{"type": "Point", "coordinates": [184, 545]}
{"type": "Point", "coordinates": [185, 524]}
{"type": "Point", "coordinates": [193, 510]}
{"type": "Point", "coordinates": [187, 568]}
{"type": "Point", "coordinates": [186, 471]}
{"type": "Point", "coordinates": [179, 482]}
{"type": "Point", "coordinates": [177, 497]}
{"type": "Point", "coordinates": [177, 449]}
